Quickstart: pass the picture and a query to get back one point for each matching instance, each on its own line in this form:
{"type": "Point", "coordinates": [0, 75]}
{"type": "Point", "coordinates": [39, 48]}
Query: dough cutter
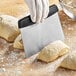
{"type": "Point", "coordinates": [36, 36]}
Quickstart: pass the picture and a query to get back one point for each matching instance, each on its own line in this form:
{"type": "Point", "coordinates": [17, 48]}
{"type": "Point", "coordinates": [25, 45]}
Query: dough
{"type": "Point", "coordinates": [18, 43]}
{"type": "Point", "coordinates": [53, 51]}
{"type": "Point", "coordinates": [8, 27]}
{"type": "Point", "coordinates": [70, 61]}
{"type": "Point", "coordinates": [16, 8]}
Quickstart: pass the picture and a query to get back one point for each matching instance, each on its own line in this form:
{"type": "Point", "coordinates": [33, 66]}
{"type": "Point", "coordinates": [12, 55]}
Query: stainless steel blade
{"type": "Point", "coordinates": [37, 36]}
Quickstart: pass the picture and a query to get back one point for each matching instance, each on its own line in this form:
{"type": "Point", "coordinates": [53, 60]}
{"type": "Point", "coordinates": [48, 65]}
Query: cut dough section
{"type": "Point", "coordinates": [70, 61]}
{"type": "Point", "coordinates": [53, 51]}
{"type": "Point", "coordinates": [18, 43]}
{"type": "Point", "coordinates": [8, 27]}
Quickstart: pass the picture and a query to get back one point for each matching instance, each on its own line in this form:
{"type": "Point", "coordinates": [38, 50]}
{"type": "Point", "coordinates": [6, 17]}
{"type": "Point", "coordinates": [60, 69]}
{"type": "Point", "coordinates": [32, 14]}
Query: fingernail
{"type": "Point", "coordinates": [38, 22]}
{"type": "Point", "coordinates": [42, 20]}
{"type": "Point", "coordinates": [33, 19]}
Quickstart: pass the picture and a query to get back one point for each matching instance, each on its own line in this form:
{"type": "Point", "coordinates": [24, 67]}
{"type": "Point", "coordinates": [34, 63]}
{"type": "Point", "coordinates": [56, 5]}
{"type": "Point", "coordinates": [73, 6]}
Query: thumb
{"type": "Point", "coordinates": [32, 8]}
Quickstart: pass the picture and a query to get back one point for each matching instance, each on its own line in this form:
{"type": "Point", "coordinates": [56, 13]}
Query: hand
{"type": "Point", "coordinates": [39, 9]}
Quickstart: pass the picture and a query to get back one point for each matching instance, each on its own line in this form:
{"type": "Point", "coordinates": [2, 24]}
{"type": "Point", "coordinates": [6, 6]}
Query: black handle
{"type": "Point", "coordinates": [26, 21]}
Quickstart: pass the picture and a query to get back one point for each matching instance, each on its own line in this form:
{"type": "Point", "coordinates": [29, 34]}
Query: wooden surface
{"type": "Point", "coordinates": [16, 8]}
{"type": "Point", "coordinates": [30, 67]}
{"type": "Point", "coordinates": [20, 66]}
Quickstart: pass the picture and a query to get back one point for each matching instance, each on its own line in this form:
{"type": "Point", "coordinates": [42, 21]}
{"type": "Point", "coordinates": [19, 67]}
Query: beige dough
{"type": "Point", "coordinates": [8, 27]}
{"type": "Point", "coordinates": [70, 61]}
{"type": "Point", "coordinates": [53, 51]}
{"type": "Point", "coordinates": [18, 43]}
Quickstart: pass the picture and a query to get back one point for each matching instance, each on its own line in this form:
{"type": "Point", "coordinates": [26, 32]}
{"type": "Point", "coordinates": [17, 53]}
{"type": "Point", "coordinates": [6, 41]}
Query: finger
{"type": "Point", "coordinates": [38, 10]}
{"type": "Point", "coordinates": [32, 7]}
{"type": "Point", "coordinates": [45, 4]}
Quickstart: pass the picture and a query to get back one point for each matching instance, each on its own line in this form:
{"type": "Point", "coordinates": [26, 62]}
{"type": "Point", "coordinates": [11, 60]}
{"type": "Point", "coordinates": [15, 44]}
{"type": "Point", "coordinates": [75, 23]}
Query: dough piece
{"type": "Point", "coordinates": [16, 8]}
{"type": "Point", "coordinates": [53, 51]}
{"type": "Point", "coordinates": [8, 27]}
{"type": "Point", "coordinates": [18, 43]}
{"type": "Point", "coordinates": [70, 61]}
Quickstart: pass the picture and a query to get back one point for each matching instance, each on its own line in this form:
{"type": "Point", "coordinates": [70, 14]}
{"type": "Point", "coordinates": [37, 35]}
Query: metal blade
{"type": "Point", "coordinates": [37, 36]}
